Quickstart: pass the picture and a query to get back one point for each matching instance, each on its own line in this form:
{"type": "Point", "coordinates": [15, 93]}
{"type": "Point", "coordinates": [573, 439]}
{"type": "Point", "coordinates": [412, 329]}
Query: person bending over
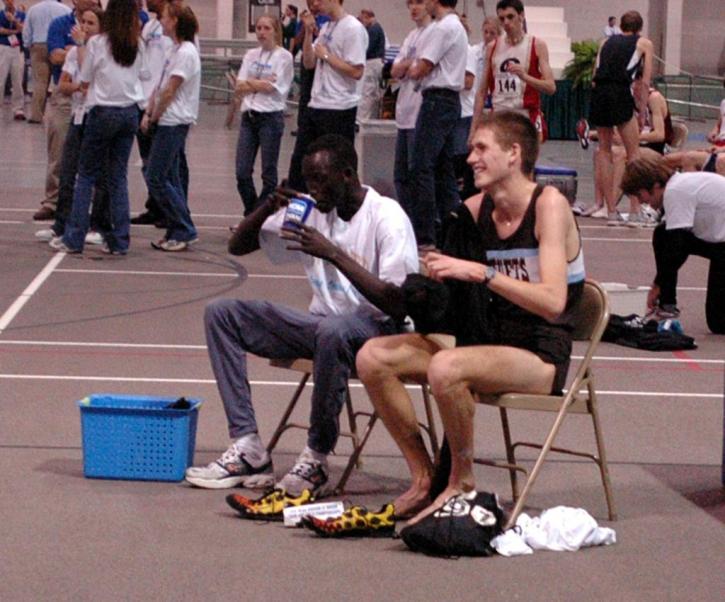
{"type": "Point", "coordinates": [694, 224]}
{"type": "Point", "coordinates": [519, 246]}
{"type": "Point", "coordinates": [357, 247]}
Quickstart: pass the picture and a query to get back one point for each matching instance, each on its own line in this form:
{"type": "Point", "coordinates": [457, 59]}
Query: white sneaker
{"type": "Point", "coordinates": [58, 245]}
{"type": "Point", "coordinates": [309, 472]}
{"type": "Point", "coordinates": [94, 238]}
{"type": "Point", "coordinates": [234, 468]}
{"type": "Point", "coordinates": [600, 213]}
{"type": "Point", "coordinates": [616, 219]}
{"type": "Point", "coordinates": [45, 235]}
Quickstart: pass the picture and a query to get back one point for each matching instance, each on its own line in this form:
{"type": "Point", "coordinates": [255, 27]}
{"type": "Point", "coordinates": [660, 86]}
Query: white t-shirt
{"type": "Point", "coordinates": [77, 101]}
{"type": "Point", "coordinates": [379, 237]}
{"type": "Point", "coordinates": [347, 39]}
{"type": "Point", "coordinates": [185, 63]}
{"type": "Point", "coordinates": [409, 98]}
{"type": "Point", "coordinates": [445, 45]}
{"type": "Point", "coordinates": [275, 66]}
{"type": "Point", "coordinates": [111, 84]}
{"type": "Point", "coordinates": [696, 201]}
{"type": "Point", "coordinates": [468, 97]}
{"type": "Point", "coordinates": [158, 47]}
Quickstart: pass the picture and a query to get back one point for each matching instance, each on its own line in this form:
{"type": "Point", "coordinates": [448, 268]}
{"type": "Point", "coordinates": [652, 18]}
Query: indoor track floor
{"type": "Point", "coordinates": [75, 325]}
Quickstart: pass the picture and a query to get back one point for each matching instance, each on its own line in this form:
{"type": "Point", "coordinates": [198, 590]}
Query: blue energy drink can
{"type": "Point", "coordinates": [298, 210]}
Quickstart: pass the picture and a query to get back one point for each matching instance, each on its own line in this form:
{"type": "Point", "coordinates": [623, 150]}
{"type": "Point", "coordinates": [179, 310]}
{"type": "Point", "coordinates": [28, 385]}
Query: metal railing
{"type": "Point", "coordinates": [692, 96]}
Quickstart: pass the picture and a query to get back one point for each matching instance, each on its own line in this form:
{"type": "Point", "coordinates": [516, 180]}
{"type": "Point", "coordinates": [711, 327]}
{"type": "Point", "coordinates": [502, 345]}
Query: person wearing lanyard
{"type": "Point", "coordinates": [407, 105]}
{"type": "Point", "coordinates": [111, 75]}
{"type": "Point", "coordinates": [158, 47]}
{"type": "Point", "coordinates": [439, 69]}
{"type": "Point", "coordinates": [172, 110]}
{"type": "Point", "coordinates": [263, 83]}
{"type": "Point", "coordinates": [70, 85]}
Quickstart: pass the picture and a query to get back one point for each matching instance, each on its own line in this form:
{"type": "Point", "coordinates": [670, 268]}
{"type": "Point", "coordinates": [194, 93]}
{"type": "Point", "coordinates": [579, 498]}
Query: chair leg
{"type": "Point", "coordinates": [603, 466]}
{"type": "Point", "coordinates": [352, 462]}
{"type": "Point", "coordinates": [510, 454]}
{"type": "Point", "coordinates": [352, 422]}
{"type": "Point", "coordinates": [282, 426]}
{"type": "Point", "coordinates": [432, 435]}
{"type": "Point", "coordinates": [537, 466]}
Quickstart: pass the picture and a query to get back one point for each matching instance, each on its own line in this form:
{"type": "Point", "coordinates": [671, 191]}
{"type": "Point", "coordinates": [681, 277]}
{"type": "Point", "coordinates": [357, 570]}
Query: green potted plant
{"type": "Point", "coordinates": [581, 68]}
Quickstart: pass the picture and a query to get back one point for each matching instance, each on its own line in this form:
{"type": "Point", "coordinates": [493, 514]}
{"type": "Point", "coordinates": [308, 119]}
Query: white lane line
{"type": "Point", "coordinates": [201, 274]}
{"type": "Point", "coordinates": [181, 347]}
{"type": "Point", "coordinates": [279, 383]}
{"type": "Point", "coordinates": [29, 291]}
{"type": "Point", "coordinates": [647, 240]}
{"type": "Point", "coordinates": [9, 221]}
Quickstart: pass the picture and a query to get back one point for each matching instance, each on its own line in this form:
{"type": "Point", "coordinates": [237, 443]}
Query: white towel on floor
{"type": "Point", "coordinates": [557, 529]}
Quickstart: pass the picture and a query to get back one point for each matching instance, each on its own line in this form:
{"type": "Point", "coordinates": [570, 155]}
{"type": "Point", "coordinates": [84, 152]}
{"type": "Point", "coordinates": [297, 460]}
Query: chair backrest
{"type": "Point", "coordinates": [592, 313]}
{"type": "Point", "coordinates": [679, 134]}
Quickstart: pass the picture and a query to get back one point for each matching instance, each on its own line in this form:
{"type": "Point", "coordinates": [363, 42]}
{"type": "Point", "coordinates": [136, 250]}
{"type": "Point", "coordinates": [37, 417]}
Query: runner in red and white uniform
{"type": "Point", "coordinates": [517, 71]}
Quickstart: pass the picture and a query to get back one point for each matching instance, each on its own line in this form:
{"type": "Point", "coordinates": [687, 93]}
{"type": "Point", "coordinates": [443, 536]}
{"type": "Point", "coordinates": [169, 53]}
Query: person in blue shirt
{"type": "Point", "coordinates": [11, 27]}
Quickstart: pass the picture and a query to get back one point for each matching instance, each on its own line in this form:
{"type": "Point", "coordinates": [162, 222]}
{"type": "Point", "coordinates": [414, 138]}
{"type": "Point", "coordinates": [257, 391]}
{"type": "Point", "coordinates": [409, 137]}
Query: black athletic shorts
{"type": "Point", "coordinates": [610, 105]}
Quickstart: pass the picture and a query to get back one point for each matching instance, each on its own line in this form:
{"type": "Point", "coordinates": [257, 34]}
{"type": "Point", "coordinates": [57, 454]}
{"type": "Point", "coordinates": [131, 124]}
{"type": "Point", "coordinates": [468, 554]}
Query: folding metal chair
{"type": "Point", "coordinates": [590, 321]}
{"type": "Point", "coordinates": [304, 366]}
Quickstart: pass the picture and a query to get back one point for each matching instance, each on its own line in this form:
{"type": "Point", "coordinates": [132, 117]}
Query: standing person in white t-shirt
{"type": "Point", "coordinates": [439, 69]}
{"type": "Point", "coordinates": [70, 86]}
{"type": "Point", "coordinates": [338, 57]}
{"type": "Point", "coordinates": [157, 46]}
{"type": "Point", "coordinates": [693, 224]}
{"type": "Point", "coordinates": [111, 74]}
{"type": "Point", "coordinates": [171, 111]}
{"type": "Point", "coordinates": [407, 105]}
{"type": "Point", "coordinates": [263, 84]}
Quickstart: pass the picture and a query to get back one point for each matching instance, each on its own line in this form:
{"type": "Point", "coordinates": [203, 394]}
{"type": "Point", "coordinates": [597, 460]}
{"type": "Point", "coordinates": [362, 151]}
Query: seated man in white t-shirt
{"type": "Point", "coordinates": [357, 247]}
{"type": "Point", "coordinates": [338, 57]}
{"type": "Point", "coordinates": [694, 224]}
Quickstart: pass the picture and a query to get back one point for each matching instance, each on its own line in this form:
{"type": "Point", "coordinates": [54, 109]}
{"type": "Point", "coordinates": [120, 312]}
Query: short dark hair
{"type": "Point", "coordinates": [293, 8]}
{"type": "Point", "coordinates": [631, 22]}
{"type": "Point", "coordinates": [517, 5]}
{"type": "Point", "coordinates": [643, 173]}
{"type": "Point", "coordinates": [340, 151]}
{"type": "Point", "coordinates": [448, 3]}
{"type": "Point", "coordinates": [511, 128]}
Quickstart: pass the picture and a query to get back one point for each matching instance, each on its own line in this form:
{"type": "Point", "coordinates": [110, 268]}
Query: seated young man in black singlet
{"type": "Point", "coordinates": [524, 250]}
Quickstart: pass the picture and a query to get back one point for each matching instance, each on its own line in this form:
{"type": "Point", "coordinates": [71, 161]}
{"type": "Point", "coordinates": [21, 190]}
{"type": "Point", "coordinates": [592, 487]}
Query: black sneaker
{"type": "Point", "coordinates": [146, 218]}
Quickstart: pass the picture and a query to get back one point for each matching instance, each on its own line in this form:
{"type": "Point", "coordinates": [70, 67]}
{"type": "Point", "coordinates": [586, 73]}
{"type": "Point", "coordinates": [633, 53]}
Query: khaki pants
{"type": "Point", "coordinates": [369, 107]}
{"type": "Point", "coordinates": [57, 121]}
{"type": "Point", "coordinates": [40, 68]}
{"type": "Point", "coordinates": [10, 65]}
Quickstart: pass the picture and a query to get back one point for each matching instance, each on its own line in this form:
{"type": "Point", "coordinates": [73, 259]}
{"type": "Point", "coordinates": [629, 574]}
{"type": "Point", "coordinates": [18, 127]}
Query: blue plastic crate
{"type": "Point", "coordinates": [563, 178]}
{"type": "Point", "coordinates": [136, 437]}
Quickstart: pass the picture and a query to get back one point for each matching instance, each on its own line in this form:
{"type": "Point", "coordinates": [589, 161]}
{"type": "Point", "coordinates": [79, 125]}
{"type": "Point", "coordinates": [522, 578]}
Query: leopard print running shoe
{"type": "Point", "coordinates": [358, 521]}
{"type": "Point", "coordinates": [269, 506]}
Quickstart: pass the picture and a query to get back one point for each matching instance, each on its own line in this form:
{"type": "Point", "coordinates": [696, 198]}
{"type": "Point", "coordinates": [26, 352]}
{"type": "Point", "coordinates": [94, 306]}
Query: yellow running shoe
{"type": "Point", "coordinates": [269, 506]}
{"type": "Point", "coordinates": [358, 521]}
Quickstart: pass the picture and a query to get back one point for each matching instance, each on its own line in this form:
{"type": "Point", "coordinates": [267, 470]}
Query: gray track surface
{"type": "Point", "coordinates": [65, 537]}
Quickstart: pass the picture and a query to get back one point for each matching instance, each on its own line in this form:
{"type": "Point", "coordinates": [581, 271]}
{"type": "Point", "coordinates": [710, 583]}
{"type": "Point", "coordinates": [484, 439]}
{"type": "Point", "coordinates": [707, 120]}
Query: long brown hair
{"type": "Point", "coordinates": [123, 28]}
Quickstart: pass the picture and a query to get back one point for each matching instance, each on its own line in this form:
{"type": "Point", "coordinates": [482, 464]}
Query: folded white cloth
{"type": "Point", "coordinates": [557, 529]}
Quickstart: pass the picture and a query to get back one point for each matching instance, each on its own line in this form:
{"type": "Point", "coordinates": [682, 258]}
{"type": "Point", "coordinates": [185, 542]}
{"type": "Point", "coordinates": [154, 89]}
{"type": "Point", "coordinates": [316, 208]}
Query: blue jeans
{"type": "Point", "coordinates": [404, 183]}
{"type": "Point", "coordinates": [313, 124]}
{"type": "Point", "coordinates": [258, 130]}
{"type": "Point", "coordinates": [163, 178]}
{"type": "Point", "coordinates": [108, 134]}
{"type": "Point", "coordinates": [433, 159]}
{"type": "Point", "coordinates": [100, 213]}
{"type": "Point", "coordinates": [234, 327]}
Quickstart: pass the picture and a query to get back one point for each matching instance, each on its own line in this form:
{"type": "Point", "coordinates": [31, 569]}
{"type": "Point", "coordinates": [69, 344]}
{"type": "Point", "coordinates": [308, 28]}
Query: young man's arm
{"type": "Point", "coordinates": [546, 298]}
{"type": "Point", "coordinates": [352, 63]}
{"type": "Point", "coordinates": [384, 295]}
{"type": "Point", "coordinates": [545, 85]}
{"type": "Point", "coordinates": [658, 112]}
{"type": "Point", "coordinates": [308, 52]}
{"type": "Point", "coordinates": [482, 91]}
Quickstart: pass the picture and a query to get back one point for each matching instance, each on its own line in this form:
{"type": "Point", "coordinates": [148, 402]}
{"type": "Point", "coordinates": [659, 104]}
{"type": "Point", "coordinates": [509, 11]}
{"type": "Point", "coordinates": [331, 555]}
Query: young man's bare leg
{"type": "Point", "coordinates": [452, 375]}
{"type": "Point", "coordinates": [382, 363]}
{"type": "Point", "coordinates": [605, 171]}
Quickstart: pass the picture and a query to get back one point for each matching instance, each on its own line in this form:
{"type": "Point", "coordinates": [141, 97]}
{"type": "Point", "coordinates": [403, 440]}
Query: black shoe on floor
{"type": "Point", "coordinates": [145, 218]}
